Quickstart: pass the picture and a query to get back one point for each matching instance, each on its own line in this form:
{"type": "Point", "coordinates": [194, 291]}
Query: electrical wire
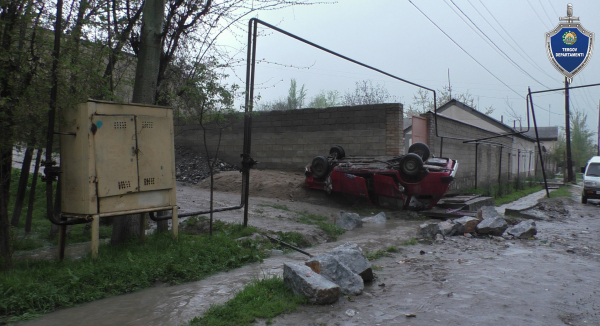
{"type": "Point", "coordinates": [506, 55]}
{"type": "Point", "coordinates": [467, 53]}
{"type": "Point", "coordinates": [523, 54]}
{"type": "Point", "coordinates": [538, 16]}
{"type": "Point", "coordinates": [555, 13]}
{"type": "Point", "coordinates": [544, 9]}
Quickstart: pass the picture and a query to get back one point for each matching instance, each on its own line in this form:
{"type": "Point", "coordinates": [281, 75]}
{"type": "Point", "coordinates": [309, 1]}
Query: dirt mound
{"type": "Point", "coordinates": [192, 167]}
{"type": "Point", "coordinates": [555, 207]}
{"type": "Point", "coordinates": [267, 183]}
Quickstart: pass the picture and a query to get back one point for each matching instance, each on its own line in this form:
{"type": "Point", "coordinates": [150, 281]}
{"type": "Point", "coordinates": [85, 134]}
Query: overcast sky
{"type": "Point", "coordinates": [394, 36]}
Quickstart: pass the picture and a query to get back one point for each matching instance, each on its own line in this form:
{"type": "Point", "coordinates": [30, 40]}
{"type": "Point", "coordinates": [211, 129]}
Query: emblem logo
{"type": "Point", "coordinates": [569, 38]}
{"type": "Point", "coordinates": [569, 45]}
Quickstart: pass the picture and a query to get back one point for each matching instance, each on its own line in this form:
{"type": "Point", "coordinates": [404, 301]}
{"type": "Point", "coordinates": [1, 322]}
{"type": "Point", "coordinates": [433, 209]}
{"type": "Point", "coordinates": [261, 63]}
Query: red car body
{"type": "Point", "coordinates": [377, 181]}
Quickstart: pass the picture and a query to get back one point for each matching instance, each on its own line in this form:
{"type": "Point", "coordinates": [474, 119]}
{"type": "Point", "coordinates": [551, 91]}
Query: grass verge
{"type": "Point", "coordinates": [331, 229]}
{"type": "Point", "coordinates": [40, 225]}
{"type": "Point", "coordinates": [34, 287]}
{"type": "Point", "coordinates": [374, 255]}
{"type": "Point", "coordinates": [561, 192]}
{"type": "Point", "coordinates": [516, 195]}
{"type": "Point", "coordinates": [410, 242]}
{"type": "Point", "coordinates": [266, 298]}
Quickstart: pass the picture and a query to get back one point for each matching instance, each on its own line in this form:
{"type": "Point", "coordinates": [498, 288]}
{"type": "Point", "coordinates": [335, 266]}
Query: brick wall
{"type": "Point", "coordinates": [488, 156]}
{"type": "Point", "coordinates": [289, 140]}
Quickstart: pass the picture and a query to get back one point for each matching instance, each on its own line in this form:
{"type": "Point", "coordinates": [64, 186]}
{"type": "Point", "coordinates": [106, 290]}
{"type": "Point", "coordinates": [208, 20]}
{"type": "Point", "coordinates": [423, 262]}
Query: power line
{"type": "Point", "coordinates": [516, 43]}
{"type": "Point", "coordinates": [507, 56]}
{"type": "Point", "coordinates": [544, 9]}
{"type": "Point", "coordinates": [557, 15]}
{"type": "Point", "coordinates": [538, 16]}
{"type": "Point", "coordinates": [509, 44]}
{"type": "Point", "coordinates": [467, 53]}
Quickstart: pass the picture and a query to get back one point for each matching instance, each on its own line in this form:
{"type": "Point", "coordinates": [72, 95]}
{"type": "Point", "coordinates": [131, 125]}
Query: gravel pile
{"type": "Point", "coordinates": [191, 165]}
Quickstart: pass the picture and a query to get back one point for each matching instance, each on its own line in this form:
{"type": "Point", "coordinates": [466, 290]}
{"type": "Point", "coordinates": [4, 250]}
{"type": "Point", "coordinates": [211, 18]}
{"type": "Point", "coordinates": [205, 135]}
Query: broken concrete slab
{"type": "Point", "coordinates": [533, 213]}
{"type": "Point", "coordinates": [429, 230]}
{"type": "Point", "coordinates": [376, 219]}
{"type": "Point", "coordinates": [523, 230]}
{"type": "Point", "coordinates": [352, 256]}
{"type": "Point", "coordinates": [304, 281]}
{"type": "Point", "coordinates": [447, 228]}
{"type": "Point", "coordinates": [348, 221]}
{"type": "Point", "coordinates": [332, 269]}
{"type": "Point", "coordinates": [486, 212]}
{"type": "Point", "coordinates": [492, 226]}
{"type": "Point", "coordinates": [466, 224]}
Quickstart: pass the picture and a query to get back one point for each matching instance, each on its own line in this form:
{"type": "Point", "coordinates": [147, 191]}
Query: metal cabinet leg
{"type": "Point", "coordinates": [95, 235]}
{"type": "Point", "coordinates": [175, 221]}
{"type": "Point", "coordinates": [62, 239]}
{"type": "Point", "coordinates": [143, 218]}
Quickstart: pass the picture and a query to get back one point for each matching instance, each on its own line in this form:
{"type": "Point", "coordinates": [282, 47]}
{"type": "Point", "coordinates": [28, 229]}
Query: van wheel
{"type": "Point", "coordinates": [583, 199]}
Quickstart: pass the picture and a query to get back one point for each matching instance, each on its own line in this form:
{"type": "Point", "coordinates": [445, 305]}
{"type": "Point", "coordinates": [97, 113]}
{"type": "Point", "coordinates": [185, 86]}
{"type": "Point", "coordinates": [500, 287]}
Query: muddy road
{"type": "Point", "coordinates": [552, 280]}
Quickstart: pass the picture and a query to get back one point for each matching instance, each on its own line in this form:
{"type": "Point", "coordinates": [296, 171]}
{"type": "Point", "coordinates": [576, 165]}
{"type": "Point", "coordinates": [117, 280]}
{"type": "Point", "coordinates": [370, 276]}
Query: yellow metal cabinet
{"type": "Point", "coordinates": [116, 158]}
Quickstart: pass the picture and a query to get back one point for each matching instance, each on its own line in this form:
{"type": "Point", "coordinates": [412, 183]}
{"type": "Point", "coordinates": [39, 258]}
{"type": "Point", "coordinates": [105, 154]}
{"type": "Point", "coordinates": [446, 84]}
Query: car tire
{"type": "Point", "coordinates": [339, 151]}
{"type": "Point", "coordinates": [411, 164]}
{"type": "Point", "coordinates": [420, 149]}
{"type": "Point", "coordinates": [319, 166]}
{"type": "Point", "coordinates": [583, 199]}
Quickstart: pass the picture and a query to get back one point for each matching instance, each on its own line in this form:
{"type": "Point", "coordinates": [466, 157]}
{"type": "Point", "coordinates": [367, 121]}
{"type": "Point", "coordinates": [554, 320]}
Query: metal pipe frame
{"type": "Point", "coordinates": [537, 136]}
{"type": "Point", "coordinates": [249, 100]}
{"type": "Point", "coordinates": [530, 96]}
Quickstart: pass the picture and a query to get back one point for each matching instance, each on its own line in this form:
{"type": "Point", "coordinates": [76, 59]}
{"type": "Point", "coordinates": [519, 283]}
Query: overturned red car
{"type": "Point", "coordinates": [411, 181]}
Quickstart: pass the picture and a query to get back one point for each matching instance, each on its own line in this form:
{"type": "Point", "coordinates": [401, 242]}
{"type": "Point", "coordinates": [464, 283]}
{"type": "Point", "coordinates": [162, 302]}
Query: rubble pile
{"type": "Point", "coordinates": [488, 222]}
{"type": "Point", "coordinates": [325, 277]}
{"type": "Point", "coordinates": [191, 165]}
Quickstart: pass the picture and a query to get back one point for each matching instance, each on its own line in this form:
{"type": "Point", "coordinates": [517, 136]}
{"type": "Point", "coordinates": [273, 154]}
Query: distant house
{"type": "Point", "coordinates": [495, 159]}
{"type": "Point", "coordinates": [548, 136]}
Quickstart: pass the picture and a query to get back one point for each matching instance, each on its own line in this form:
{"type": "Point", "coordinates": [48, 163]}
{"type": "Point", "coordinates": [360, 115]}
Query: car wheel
{"type": "Point", "coordinates": [420, 149]}
{"type": "Point", "coordinates": [339, 151]}
{"type": "Point", "coordinates": [583, 199]}
{"type": "Point", "coordinates": [319, 166]}
{"type": "Point", "coordinates": [411, 164]}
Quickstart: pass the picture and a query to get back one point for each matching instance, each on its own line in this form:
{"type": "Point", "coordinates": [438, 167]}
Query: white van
{"type": "Point", "coordinates": [591, 180]}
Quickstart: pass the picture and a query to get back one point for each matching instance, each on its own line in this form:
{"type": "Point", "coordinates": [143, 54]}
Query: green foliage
{"type": "Point", "coordinates": [294, 100]}
{"type": "Point", "coordinates": [40, 225]}
{"type": "Point", "coordinates": [294, 238]}
{"type": "Point", "coordinates": [266, 298]}
{"type": "Point", "coordinates": [582, 139]}
{"type": "Point", "coordinates": [374, 255]}
{"type": "Point", "coordinates": [506, 192]}
{"type": "Point", "coordinates": [43, 286]}
{"type": "Point", "coordinates": [325, 99]}
{"type": "Point", "coordinates": [332, 230]}
{"type": "Point", "coordinates": [582, 142]}
{"type": "Point", "coordinates": [410, 242]}
{"type": "Point", "coordinates": [500, 200]}
{"type": "Point", "coordinates": [392, 249]}
{"type": "Point", "coordinates": [202, 98]}
{"type": "Point", "coordinates": [561, 192]}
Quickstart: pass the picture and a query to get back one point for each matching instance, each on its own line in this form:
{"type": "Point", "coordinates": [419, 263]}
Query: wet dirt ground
{"type": "Point", "coordinates": [552, 280]}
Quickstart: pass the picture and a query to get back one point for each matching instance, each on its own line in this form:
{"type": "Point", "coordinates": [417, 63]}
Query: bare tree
{"type": "Point", "coordinates": [367, 93]}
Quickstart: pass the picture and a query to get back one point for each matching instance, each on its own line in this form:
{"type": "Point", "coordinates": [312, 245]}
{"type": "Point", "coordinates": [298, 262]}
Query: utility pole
{"type": "Point", "coordinates": [568, 133]}
{"type": "Point", "coordinates": [598, 128]}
